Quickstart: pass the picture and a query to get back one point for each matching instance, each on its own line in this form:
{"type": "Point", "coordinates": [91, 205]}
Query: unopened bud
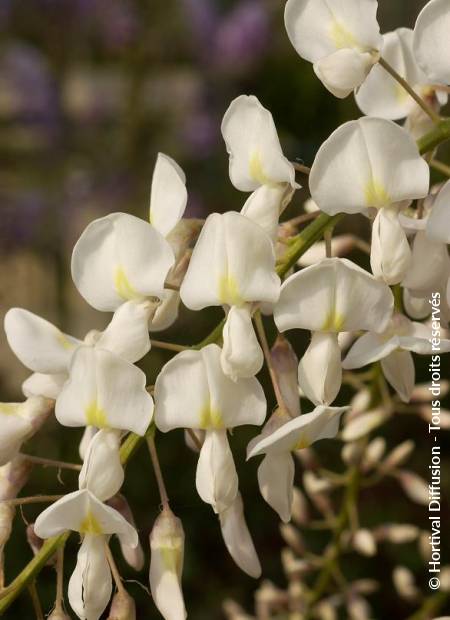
{"type": "Point", "coordinates": [123, 607]}
{"type": "Point", "coordinates": [293, 538]}
{"type": "Point", "coordinates": [300, 510]}
{"type": "Point", "coordinates": [166, 565]}
{"type": "Point", "coordinates": [363, 424]}
{"type": "Point", "coordinates": [358, 609]}
{"type": "Point", "coordinates": [58, 614]}
{"type": "Point", "coordinates": [404, 583]}
{"type": "Point", "coordinates": [6, 518]}
{"type": "Point", "coordinates": [374, 453]}
{"type": "Point", "coordinates": [414, 487]}
{"type": "Point", "coordinates": [397, 533]}
{"type": "Point", "coordinates": [325, 610]}
{"type": "Point", "coordinates": [13, 476]}
{"type": "Point", "coordinates": [233, 611]}
{"type": "Point", "coordinates": [133, 556]}
{"type": "Point", "coordinates": [36, 543]}
{"type": "Point", "coordinates": [445, 579]}
{"type": "Point", "coordinates": [364, 542]}
{"type": "Point", "coordinates": [351, 452]}
{"type": "Point", "coordinates": [424, 545]}
{"type": "Point", "coordinates": [398, 456]}
{"type": "Point", "coordinates": [285, 363]}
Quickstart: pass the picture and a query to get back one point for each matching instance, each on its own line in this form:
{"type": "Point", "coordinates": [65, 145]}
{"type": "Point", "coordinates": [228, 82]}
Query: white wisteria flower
{"type": "Point", "coordinates": [331, 297]}
{"type": "Point", "coordinates": [105, 391]}
{"type": "Point", "coordinates": [233, 265]}
{"type": "Point", "coordinates": [341, 39]}
{"type": "Point", "coordinates": [367, 164]}
{"type": "Point", "coordinates": [102, 472]}
{"type": "Point", "coordinates": [393, 347]}
{"type": "Point", "coordinates": [276, 471]}
{"type": "Point", "coordinates": [381, 95]}
{"type": "Point", "coordinates": [47, 351]}
{"type": "Point", "coordinates": [438, 224]}
{"type": "Point", "coordinates": [166, 565]}
{"type": "Point", "coordinates": [216, 405]}
{"type": "Point", "coordinates": [90, 586]}
{"type": "Point", "coordinates": [431, 41]}
{"type": "Point", "coordinates": [19, 421]}
{"type": "Point", "coordinates": [257, 163]}
{"type": "Point", "coordinates": [238, 539]}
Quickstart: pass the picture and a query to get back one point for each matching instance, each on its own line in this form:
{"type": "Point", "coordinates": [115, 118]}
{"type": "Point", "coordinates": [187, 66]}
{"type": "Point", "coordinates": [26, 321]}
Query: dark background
{"type": "Point", "coordinates": [90, 91]}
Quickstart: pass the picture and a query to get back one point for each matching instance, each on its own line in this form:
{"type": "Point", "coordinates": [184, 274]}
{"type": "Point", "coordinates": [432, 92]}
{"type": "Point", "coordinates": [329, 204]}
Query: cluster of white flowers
{"type": "Point", "coordinates": [142, 269]}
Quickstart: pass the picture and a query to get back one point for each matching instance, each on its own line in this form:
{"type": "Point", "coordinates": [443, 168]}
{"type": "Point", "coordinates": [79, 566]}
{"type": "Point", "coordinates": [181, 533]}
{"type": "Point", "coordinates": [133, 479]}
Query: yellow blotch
{"type": "Point", "coordinates": [341, 37]}
{"type": "Point", "coordinates": [210, 418]}
{"type": "Point", "coordinates": [123, 285]}
{"type": "Point", "coordinates": [90, 525]}
{"type": "Point", "coordinates": [301, 443]}
{"type": "Point", "coordinates": [65, 342]}
{"type": "Point", "coordinates": [172, 556]}
{"type": "Point", "coordinates": [257, 171]}
{"type": "Point", "coordinates": [376, 195]}
{"type": "Point", "coordinates": [96, 416]}
{"type": "Point", "coordinates": [229, 291]}
{"type": "Point", "coordinates": [333, 323]}
{"type": "Point", "coordinates": [9, 408]}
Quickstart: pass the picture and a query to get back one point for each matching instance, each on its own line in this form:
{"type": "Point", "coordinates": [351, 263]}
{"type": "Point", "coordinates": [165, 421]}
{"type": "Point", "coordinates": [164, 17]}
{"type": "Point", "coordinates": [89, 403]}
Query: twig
{"type": "Point", "coordinates": [36, 602]}
{"type": "Point", "coordinates": [33, 499]}
{"type": "Point", "coordinates": [301, 168]}
{"type": "Point", "coordinates": [114, 570]}
{"type": "Point", "coordinates": [50, 462]}
{"type": "Point", "coordinates": [158, 473]}
{"type": "Point", "coordinates": [425, 107]}
{"type": "Point", "coordinates": [438, 165]}
{"type": "Point", "coordinates": [168, 345]}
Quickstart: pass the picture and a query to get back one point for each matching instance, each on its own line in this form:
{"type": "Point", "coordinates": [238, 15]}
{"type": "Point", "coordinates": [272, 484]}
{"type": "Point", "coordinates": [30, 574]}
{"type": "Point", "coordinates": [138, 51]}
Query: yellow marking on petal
{"type": "Point", "coordinates": [341, 37]}
{"type": "Point", "coordinates": [172, 556]}
{"type": "Point", "coordinates": [210, 418]}
{"type": "Point", "coordinates": [65, 342]}
{"type": "Point", "coordinates": [90, 525]}
{"type": "Point", "coordinates": [301, 443]}
{"type": "Point", "coordinates": [9, 408]}
{"type": "Point", "coordinates": [96, 416]}
{"type": "Point", "coordinates": [376, 194]}
{"type": "Point", "coordinates": [334, 322]}
{"type": "Point", "coordinates": [229, 291]}
{"type": "Point", "coordinates": [257, 171]}
{"type": "Point", "coordinates": [123, 286]}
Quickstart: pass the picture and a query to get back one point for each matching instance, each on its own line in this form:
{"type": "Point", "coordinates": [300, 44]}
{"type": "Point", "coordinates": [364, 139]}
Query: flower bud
{"type": "Point", "coordinates": [6, 518]}
{"type": "Point", "coordinates": [133, 556]}
{"type": "Point", "coordinates": [358, 608]}
{"type": "Point", "coordinates": [363, 424]}
{"type": "Point", "coordinates": [285, 364]}
{"type": "Point", "coordinates": [404, 583]}
{"type": "Point", "coordinates": [123, 607]}
{"type": "Point", "coordinates": [320, 370]}
{"type": "Point", "coordinates": [364, 542]}
{"type": "Point", "coordinates": [414, 487]}
{"type": "Point", "coordinates": [374, 453]}
{"type": "Point", "coordinates": [300, 511]}
{"type": "Point", "coordinates": [398, 533]}
{"type": "Point", "coordinates": [166, 565]}
{"type": "Point", "coordinates": [293, 538]}
{"type": "Point", "coordinates": [58, 614]}
{"type": "Point", "coordinates": [13, 476]}
{"type": "Point", "coordinates": [397, 456]}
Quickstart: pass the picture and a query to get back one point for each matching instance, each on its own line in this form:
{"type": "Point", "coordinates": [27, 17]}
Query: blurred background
{"type": "Point", "coordinates": [90, 91]}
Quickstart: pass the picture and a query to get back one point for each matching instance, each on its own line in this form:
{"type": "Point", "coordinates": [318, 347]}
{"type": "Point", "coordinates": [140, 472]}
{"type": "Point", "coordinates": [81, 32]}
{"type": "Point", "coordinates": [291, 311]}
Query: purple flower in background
{"type": "Point", "coordinates": [201, 133]}
{"type": "Point", "coordinates": [117, 22]}
{"type": "Point", "coordinates": [204, 20]}
{"type": "Point", "coordinates": [28, 88]}
{"type": "Point", "coordinates": [22, 214]}
{"type": "Point", "coordinates": [243, 36]}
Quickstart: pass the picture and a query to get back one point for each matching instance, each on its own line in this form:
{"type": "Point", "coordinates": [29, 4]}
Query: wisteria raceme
{"type": "Point", "coordinates": [270, 275]}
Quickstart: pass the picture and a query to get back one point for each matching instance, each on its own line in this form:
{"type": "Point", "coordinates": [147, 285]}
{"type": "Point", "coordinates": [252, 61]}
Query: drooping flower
{"type": "Point", "coordinates": [393, 348]}
{"type": "Point", "coordinates": [342, 40]}
{"type": "Point", "coordinates": [381, 95]}
{"type": "Point", "coordinates": [233, 265]}
{"type": "Point", "coordinates": [216, 405]}
{"type": "Point", "coordinates": [166, 565]}
{"type": "Point", "coordinates": [257, 163]}
{"type": "Point", "coordinates": [102, 472]}
{"type": "Point", "coordinates": [387, 172]}
{"type": "Point", "coordinates": [19, 421]}
{"type": "Point", "coordinates": [276, 471]}
{"type": "Point", "coordinates": [331, 297]}
{"type": "Point", "coordinates": [431, 41]}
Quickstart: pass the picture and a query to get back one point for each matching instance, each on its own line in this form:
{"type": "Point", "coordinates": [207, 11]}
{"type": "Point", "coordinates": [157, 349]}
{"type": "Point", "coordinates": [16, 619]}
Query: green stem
{"type": "Point", "coordinates": [442, 168]}
{"type": "Point", "coordinates": [434, 138]}
{"type": "Point", "coordinates": [430, 607]}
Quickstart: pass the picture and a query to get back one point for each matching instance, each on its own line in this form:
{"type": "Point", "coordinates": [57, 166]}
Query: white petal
{"type": "Point", "coordinates": [276, 482]}
{"type": "Point", "coordinates": [320, 370]}
{"type": "Point", "coordinates": [367, 349]}
{"type": "Point", "coordinates": [15, 429]}
{"type": "Point", "coordinates": [420, 338]}
{"type": "Point", "coordinates": [301, 432]}
{"type": "Point", "coordinates": [39, 384]}
{"type": "Point", "coordinates": [344, 70]}
{"type": "Point", "coordinates": [82, 512]}
{"type": "Point", "coordinates": [390, 256]}
{"type": "Point", "coordinates": [238, 539]}
{"type": "Point", "coordinates": [85, 440]}
{"type": "Point", "coordinates": [127, 333]}
{"type": "Point", "coordinates": [252, 142]}
{"type": "Point", "coordinates": [335, 296]}
{"type": "Point", "coordinates": [102, 472]}
{"type": "Point", "coordinates": [233, 262]}
{"type": "Point", "coordinates": [438, 226]}
{"type": "Point", "coordinates": [431, 41]}
{"type": "Point", "coordinates": [241, 354]}
{"type": "Point", "coordinates": [90, 585]}
{"type": "Point", "coordinates": [118, 258]}
{"type": "Point", "coordinates": [265, 205]}
{"type": "Point", "coordinates": [381, 95]}
{"type": "Point", "coordinates": [385, 166]}
{"type": "Point", "coordinates": [105, 391]}
{"type": "Point", "coordinates": [398, 368]}
{"type": "Point", "coordinates": [416, 307]}
{"type": "Point", "coordinates": [217, 402]}
{"type": "Point", "coordinates": [169, 196]}
{"type": "Point", "coordinates": [38, 344]}
{"type": "Point", "coordinates": [317, 28]}
{"type": "Point", "coordinates": [216, 477]}
{"type": "Point", "coordinates": [285, 363]}
{"type": "Point", "coordinates": [166, 313]}
{"type": "Point", "coordinates": [166, 566]}
{"type": "Point", "coordinates": [429, 265]}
